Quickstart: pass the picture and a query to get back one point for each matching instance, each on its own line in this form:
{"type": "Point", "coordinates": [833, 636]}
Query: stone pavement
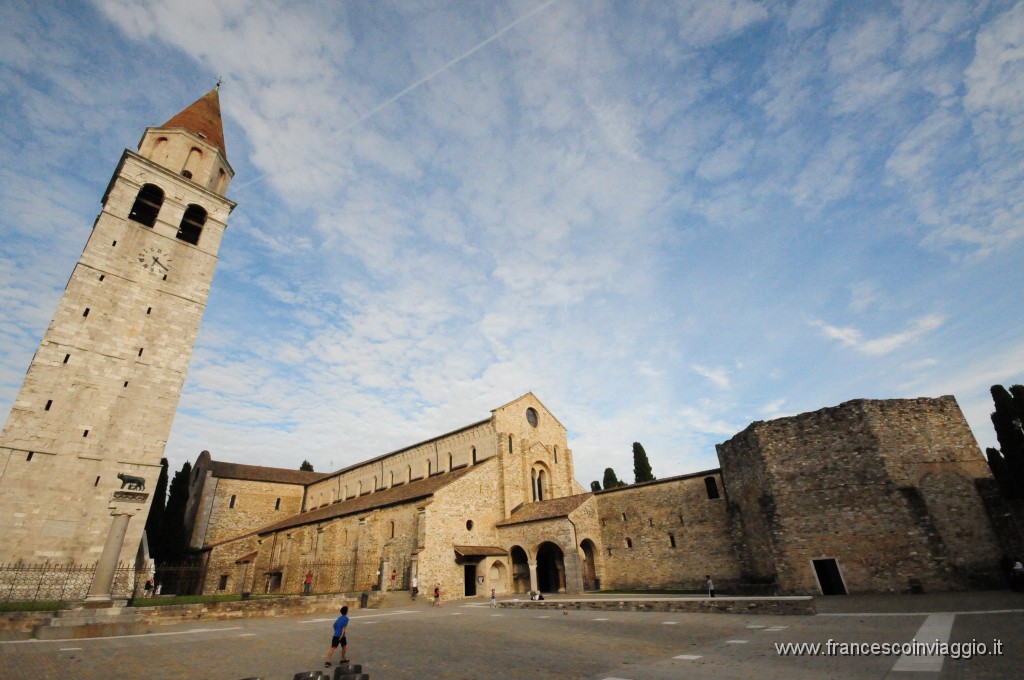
{"type": "Point", "coordinates": [469, 640]}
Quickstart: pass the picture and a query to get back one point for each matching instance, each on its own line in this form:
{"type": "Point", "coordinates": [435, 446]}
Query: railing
{"type": "Point", "coordinates": [62, 582]}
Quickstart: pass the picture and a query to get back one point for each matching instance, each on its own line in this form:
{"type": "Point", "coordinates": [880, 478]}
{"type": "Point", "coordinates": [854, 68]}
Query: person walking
{"type": "Point", "coordinates": [415, 587]}
{"type": "Point", "coordinates": [494, 598]}
{"type": "Point", "coordinates": [710, 585]}
{"type": "Point", "coordinates": [339, 637]}
{"type": "Point", "coordinates": [307, 585]}
{"type": "Point", "coordinates": [394, 574]}
{"type": "Point", "coordinates": [437, 595]}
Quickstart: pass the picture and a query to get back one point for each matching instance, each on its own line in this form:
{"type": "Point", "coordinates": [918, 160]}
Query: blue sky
{"type": "Point", "coordinates": [667, 219]}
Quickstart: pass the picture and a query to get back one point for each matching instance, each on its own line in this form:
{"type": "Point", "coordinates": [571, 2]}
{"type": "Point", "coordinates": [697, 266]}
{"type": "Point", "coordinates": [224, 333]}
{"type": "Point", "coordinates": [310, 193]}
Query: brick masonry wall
{"type": "Point", "coordinates": [655, 513]}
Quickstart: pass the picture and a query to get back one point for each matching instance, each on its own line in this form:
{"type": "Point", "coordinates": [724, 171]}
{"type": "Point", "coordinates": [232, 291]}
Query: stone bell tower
{"type": "Point", "coordinates": [102, 389]}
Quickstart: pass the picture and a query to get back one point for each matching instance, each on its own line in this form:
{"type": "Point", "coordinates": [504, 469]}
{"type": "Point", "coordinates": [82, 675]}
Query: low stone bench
{"type": "Point", "coordinates": [800, 605]}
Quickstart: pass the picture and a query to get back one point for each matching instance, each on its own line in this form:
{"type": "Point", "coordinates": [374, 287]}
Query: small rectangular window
{"type": "Point", "coordinates": [277, 505]}
{"type": "Point", "coordinates": [223, 585]}
{"type": "Point", "coordinates": [232, 503]}
{"type": "Point", "coordinates": [672, 539]}
{"type": "Point", "coordinates": [102, 276]}
{"type": "Point", "coordinates": [86, 433]}
{"type": "Point", "coordinates": [126, 383]}
{"type": "Point", "coordinates": [29, 457]}
{"type": "Point", "coordinates": [86, 312]}
{"type": "Point", "coordinates": [623, 517]}
{"type": "Point", "coordinates": [113, 244]}
{"type": "Point", "coordinates": [66, 357]}
{"type": "Point", "coordinates": [97, 482]}
{"type": "Point", "coordinates": [140, 351]}
{"type": "Point", "coordinates": [149, 310]}
{"type": "Point", "coordinates": [49, 403]}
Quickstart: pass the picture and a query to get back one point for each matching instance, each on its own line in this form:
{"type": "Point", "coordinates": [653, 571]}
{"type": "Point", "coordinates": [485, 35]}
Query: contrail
{"type": "Point", "coordinates": [433, 74]}
{"type": "Point", "coordinates": [388, 102]}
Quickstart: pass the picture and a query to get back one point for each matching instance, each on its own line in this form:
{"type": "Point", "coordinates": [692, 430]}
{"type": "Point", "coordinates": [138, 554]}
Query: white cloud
{"type": "Point", "coordinates": [886, 344]}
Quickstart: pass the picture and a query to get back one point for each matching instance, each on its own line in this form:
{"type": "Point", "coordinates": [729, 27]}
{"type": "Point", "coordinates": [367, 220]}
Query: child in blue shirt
{"type": "Point", "coordinates": [340, 626]}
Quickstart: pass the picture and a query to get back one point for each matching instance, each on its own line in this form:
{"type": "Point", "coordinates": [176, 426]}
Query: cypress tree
{"type": "Point", "coordinates": [1008, 421]}
{"type": "Point", "coordinates": [641, 466]}
{"type": "Point", "coordinates": [174, 544]}
{"type": "Point", "coordinates": [307, 466]}
{"type": "Point", "coordinates": [610, 480]}
{"type": "Point", "coordinates": [595, 485]}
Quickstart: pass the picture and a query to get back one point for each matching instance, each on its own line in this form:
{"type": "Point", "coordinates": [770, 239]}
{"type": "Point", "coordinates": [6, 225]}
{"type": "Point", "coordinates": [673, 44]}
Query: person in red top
{"type": "Point", "coordinates": [308, 583]}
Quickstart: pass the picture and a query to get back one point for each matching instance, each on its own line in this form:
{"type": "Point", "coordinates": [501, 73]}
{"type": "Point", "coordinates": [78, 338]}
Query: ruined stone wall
{"type": "Point", "coordinates": [820, 486]}
{"type": "Point", "coordinates": [639, 523]}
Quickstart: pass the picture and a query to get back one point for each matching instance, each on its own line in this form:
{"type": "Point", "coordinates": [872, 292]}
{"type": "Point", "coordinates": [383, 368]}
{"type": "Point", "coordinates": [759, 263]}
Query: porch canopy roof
{"type": "Point", "coordinates": [479, 551]}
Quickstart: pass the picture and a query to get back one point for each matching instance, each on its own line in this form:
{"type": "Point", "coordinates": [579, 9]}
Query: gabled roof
{"type": "Point", "coordinates": [258, 473]}
{"type": "Point", "coordinates": [202, 117]}
{"type": "Point", "coordinates": [405, 493]}
{"type": "Point", "coordinates": [556, 507]}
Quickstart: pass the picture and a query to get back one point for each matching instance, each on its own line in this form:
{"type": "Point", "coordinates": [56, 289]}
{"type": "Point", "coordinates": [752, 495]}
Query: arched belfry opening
{"type": "Point", "coordinates": [540, 482]}
{"type": "Point", "coordinates": [550, 568]}
{"type": "Point", "coordinates": [147, 205]}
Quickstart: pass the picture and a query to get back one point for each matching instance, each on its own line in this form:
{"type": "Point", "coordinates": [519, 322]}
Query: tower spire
{"type": "Point", "coordinates": [202, 117]}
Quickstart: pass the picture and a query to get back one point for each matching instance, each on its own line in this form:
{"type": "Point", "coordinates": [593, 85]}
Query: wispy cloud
{"type": "Point", "coordinates": [886, 344]}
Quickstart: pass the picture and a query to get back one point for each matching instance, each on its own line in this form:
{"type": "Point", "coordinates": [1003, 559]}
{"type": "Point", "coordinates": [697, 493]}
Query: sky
{"type": "Point", "coordinates": [665, 219]}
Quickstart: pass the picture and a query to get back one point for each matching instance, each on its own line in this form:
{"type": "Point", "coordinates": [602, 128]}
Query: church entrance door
{"type": "Point", "coordinates": [550, 569]}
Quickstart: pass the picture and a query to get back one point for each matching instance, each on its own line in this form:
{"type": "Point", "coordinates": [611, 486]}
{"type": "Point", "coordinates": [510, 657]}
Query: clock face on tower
{"type": "Point", "coordinates": [155, 260]}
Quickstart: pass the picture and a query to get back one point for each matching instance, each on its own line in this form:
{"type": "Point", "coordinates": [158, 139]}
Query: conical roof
{"type": "Point", "coordinates": [203, 118]}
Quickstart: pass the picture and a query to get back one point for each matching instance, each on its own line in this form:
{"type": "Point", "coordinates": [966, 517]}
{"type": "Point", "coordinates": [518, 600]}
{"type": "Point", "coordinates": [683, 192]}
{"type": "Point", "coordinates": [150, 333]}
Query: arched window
{"type": "Point", "coordinates": [147, 205]}
{"type": "Point", "coordinates": [629, 542]}
{"type": "Point", "coordinates": [191, 163]}
{"type": "Point", "coordinates": [712, 487]}
{"type": "Point", "coordinates": [510, 443]}
{"type": "Point", "coordinates": [428, 468]}
{"type": "Point", "coordinates": [533, 483]}
{"type": "Point", "coordinates": [540, 485]}
{"type": "Point", "coordinates": [474, 455]}
{"type": "Point", "coordinates": [408, 473]}
{"type": "Point", "coordinates": [392, 529]}
{"type": "Point", "coordinates": [192, 224]}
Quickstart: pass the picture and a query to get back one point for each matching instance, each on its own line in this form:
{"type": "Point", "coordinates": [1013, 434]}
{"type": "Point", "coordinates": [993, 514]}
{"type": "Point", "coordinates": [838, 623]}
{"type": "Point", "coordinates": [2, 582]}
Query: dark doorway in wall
{"type": "Point", "coordinates": [470, 572]}
{"type": "Point", "coordinates": [829, 578]}
{"type": "Point", "coordinates": [550, 569]}
{"type": "Point", "coordinates": [520, 570]}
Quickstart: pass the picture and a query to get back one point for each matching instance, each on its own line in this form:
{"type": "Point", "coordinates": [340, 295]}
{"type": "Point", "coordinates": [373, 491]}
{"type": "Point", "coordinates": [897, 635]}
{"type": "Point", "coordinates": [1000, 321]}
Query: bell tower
{"type": "Point", "coordinates": [101, 391]}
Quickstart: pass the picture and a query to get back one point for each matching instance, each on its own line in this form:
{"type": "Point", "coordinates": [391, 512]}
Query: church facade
{"type": "Point", "coordinates": [867, 496]}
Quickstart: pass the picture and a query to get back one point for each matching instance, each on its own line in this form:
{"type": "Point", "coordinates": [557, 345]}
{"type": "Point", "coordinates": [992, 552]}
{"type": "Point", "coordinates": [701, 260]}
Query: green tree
{"type": "Point", "coordinates": [307, 466]}
{"type": "Point", "coordinates": [174, 540]}
{"type": "Point", "coordinates": [595, 485]}
{"type": "Point", "coordinates": [641, 466]}
{"type": "Point", "coordinates": [154, 521]}
{"type": "Point", "coordinates": [610, 480]}
{"type": "Point", "coordinates": [1007, 464]}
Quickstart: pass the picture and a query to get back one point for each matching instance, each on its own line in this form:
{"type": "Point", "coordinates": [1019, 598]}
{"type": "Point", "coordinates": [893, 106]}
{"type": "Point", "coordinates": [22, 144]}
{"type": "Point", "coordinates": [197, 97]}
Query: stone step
{"type": "Point", "coordinates": [70, 624]}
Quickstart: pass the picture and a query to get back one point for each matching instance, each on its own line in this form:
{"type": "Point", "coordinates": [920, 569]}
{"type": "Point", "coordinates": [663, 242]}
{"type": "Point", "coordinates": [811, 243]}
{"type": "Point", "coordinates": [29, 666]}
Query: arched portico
{"type": "Point", "coordinates": [550, 568]}
{"type": "Point", "coordinates": [590, 581]}
{"type": "Point", "coordinates": [520, 570]}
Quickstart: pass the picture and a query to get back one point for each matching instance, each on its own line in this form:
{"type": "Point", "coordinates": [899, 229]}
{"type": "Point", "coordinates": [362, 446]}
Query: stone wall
{"type": "Point", "coordinates": [666, 534]}
{"type": "Point", "coordinates": [844, 484]}
{"type": "Point", "coordinates": [256, 504]}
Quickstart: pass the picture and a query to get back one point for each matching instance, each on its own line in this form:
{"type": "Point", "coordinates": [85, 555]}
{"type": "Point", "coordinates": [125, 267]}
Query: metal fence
{"type": "Point", "coordinates": [62, 582]}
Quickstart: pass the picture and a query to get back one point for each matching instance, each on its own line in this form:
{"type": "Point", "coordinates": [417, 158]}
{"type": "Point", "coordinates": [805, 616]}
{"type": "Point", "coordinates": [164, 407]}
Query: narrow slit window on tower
{"type": "Point", "coordinates": [140, 351]}
{"type": "Point", "coordinates": [85, 433]}
{"type": "Point", "coordinates": [49, 403]}
{"type": "Point", "coordinates": [86, 312]}
{"type": "Point", "coordinates": [510, 443]}
{"type": "Point", "coordinates": [147, 205]}
{"type": "Point", "coordinates": [66, 358]}
{"type": "Point", "coordinates": [113, 244]}
{"type": "Point", "coordinates": [29, 457]}
{"type": "Point", "coordinates": [672, 539]}
{"type": "Point", "coordinates": [97, 482]}
{"type": "Point", "coordinates": [102, 276]}
{"type": "Point", "coordinates": [192, 224]}
{"type": "Point", "coordinates": [232, 503]}
{"type": "Point", "coordinates": [126, 383]}
{"type": "Point", "coordinates": [149, 310]}
{"type": "Point", "coordinates": [277, 505]}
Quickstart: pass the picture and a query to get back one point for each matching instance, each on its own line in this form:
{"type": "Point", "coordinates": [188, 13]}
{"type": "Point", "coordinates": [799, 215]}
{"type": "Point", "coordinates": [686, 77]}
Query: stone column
{"type": "Point", "coordinates": [533, 576]}
{"type": "Point", "coordinates": [99, 591]}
